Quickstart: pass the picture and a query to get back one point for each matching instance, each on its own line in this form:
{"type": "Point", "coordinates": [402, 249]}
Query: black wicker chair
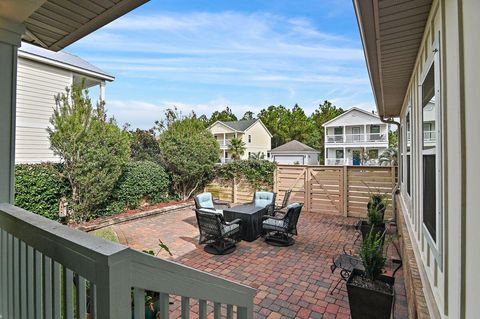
{"type": "Point", "coordinates": [279, 231]}
{"type": "Point", "coordinates": [205, 200]}
{"type": "Point", "coordinates": [219, 236]}
{"type": "Point", "coordinates": [282, 208]}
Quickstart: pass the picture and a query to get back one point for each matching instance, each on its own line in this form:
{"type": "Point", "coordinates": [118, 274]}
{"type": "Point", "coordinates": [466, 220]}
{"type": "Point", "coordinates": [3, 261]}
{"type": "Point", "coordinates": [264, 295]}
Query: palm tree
{"type": "Point", "coordinates": [389, 157]}
{"type": "Point", "coordinates": [257, 156]}
{"type": "Point", "coordinates": [237, 148]}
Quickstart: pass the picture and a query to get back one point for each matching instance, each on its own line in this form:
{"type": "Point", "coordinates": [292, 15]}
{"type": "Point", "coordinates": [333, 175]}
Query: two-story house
{"type": "Point", "coordinates": [356, 137]}
{"type": "Point", "coordinates": [42, 74]}
{"type": "Point", "coordinates": [255, 135]}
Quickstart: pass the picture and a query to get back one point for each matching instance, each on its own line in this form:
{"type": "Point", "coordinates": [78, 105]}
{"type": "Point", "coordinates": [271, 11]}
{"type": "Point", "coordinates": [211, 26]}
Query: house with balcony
{"type": "Point", "coordinates": [255, 135]}
{"type": "Point", "coordinates": [356, 137]}
{"type": "Point", "coordinates": [41, 75]}
{"type": "Point", "coordinates": [422, 59]}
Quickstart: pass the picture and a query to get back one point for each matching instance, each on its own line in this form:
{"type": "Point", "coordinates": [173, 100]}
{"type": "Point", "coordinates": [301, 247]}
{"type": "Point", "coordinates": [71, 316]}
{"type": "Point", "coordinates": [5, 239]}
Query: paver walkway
{"type": "Point", "coordinates": [292, 282]}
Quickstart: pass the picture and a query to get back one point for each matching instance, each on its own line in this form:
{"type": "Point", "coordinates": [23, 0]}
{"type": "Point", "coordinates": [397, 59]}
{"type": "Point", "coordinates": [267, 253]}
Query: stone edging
{"type": "Point", "coordinates": [113, 220]}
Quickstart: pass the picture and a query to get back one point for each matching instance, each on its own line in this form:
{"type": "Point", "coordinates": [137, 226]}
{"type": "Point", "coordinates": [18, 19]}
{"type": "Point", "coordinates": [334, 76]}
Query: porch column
{"type": "Point", "coordinates": [101, 96]}
{"type": "Point", "coordinates": [224, 156]}
{"type": "Point", "coordinates": [224, 140]}
{"type": "Point", "coordinates": [344, 156]}
{"type": "Point", "coordinates": [364, 132]}
{"type": "Point", "coordinates": [344, 130]}
{"type": "Point", "coordinates": [10, 35]}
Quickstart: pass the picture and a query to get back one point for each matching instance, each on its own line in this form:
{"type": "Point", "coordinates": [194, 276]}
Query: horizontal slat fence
{"type": "Point", "coordinates": [338, 190]}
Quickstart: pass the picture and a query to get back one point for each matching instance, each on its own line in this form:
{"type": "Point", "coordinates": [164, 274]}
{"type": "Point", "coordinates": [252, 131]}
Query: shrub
{"type": "Point", "coordinates": [144, 146]}
{"type": "Point", "coordinates": [142, 180]}
{"type": "Point", "coordinates": [259, 173]}
{"type": "Point", "coordinates": [39, 188]}
{"type": "Point", "coordinates": [189, 153]}
{"type": "Point", "coordinates": [93, 150]}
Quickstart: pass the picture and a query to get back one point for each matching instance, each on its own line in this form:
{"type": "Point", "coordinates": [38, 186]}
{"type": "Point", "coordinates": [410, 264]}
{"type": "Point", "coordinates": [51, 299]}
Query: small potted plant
{"type": "Point", "coordinates": [378, 201]}
{"type": "Point", "coordinates": [374, 221]}
{"type": "Point", "coordinates": [370, 293]}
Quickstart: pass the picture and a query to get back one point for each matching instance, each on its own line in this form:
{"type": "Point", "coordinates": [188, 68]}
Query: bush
{"type": "Point", "coordinates": [92, 147]}
{"type": "Point", "coordinates": [39, 188]}
{"type": "Point", "coordinates": [189, 153]}
{"type": "Point", "coordinates": [259, 173]}
{"type": "Point", "coordinates": [142, 180]}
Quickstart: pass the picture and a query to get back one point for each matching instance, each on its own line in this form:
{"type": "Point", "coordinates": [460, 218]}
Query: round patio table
{"type": "Point", "coordinates": [251, 216]}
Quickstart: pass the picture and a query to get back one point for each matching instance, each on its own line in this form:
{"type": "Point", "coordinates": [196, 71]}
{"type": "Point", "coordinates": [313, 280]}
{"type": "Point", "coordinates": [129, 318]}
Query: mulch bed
{"type": "Point", "coordinates": [133, 214]}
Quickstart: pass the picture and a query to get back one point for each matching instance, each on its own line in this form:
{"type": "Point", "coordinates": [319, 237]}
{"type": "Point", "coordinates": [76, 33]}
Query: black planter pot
{"type": "Point", "coordinates": [369, 304]}
{"type": "Point", "coordinates": [365, 227]}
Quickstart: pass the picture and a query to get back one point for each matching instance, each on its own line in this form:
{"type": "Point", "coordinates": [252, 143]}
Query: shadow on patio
{"type": "Point", "coordinates": [292, 282]}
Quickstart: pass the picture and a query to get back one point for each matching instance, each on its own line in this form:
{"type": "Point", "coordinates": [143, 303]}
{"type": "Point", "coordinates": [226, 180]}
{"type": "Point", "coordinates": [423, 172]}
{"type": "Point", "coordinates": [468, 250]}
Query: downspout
{"type": "Point", "coordinates": [396, 188]}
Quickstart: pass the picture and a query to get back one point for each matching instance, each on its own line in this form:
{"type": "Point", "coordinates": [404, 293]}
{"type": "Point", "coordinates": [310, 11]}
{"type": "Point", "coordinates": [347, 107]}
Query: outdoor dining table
{"type": "Point", "coordinates": [251, 216]}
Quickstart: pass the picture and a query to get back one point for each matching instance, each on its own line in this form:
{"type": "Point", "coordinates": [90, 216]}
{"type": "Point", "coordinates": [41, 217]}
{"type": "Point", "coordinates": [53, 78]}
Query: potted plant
{"type": "Point", "coordinates": [376, 207]}
{"type": "Point", "coordinates": [370, 293]}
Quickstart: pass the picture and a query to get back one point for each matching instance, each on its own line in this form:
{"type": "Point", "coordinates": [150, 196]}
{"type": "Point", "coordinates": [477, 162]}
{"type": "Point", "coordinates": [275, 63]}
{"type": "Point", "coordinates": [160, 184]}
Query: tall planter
{"type": "Point", "coordinates": [366, 303]}
{"type": "Point", "coordinates": [365, 227]}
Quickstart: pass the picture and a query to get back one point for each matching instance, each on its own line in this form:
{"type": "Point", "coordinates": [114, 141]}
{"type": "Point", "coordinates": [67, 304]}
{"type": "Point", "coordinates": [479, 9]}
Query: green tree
{"type": "Point", "coordinates": [298, 126]}
{"type": "Point", "coordinates": [236, 148]}
{"type": "Point", "coordinates": [188, 152]}
{"type": "Point", "coordinates": [92, 147]}
{"type": "Point", "coordinates": [225, 115]}
{"type": "Point", "coordinates": [248, 116]}
{"type": "Point", "coordinates": [144, 146]}
{"type": "Point", "coordinates": [389, 157]}
{"type": "Point", "coordinates": [323, 114]}
{"type": "Point", "coordinates": [275, 119]}
{"type": "Point", "coordinates": [392, 138]}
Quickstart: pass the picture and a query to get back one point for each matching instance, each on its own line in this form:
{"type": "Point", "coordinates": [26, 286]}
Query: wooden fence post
{"type": "Point", "coordinates": [345, 190]}
{"type": "Point", "coordinates": [234, 190]}
{"type": "Point", "coordinates": [306, 186]}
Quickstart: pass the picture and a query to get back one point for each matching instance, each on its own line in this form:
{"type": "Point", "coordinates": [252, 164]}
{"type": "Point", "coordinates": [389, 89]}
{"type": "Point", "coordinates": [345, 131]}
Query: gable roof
{"type": "Point", "coordinates": [62, 59]}
{"type": "Point", "coordinates": [349, 111]}
{"type": "Point", "coordinates": [294, 147]}
{"type": "Point", "coordinates": [241, 125]}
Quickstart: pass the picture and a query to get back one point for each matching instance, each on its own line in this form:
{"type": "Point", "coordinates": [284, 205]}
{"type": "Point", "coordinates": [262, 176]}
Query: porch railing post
{"type": "Point", "coordinates": [10, 39]}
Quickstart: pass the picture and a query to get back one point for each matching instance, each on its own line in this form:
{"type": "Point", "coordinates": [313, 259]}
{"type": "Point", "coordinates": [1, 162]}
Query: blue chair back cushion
{"type": "Point", "coordinates": [205, 200]}
{"type": "Point", "coordinates": [263, 199]}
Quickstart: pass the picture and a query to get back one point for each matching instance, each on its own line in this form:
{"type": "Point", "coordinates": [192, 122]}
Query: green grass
{"type": "Point", "coordinates": [106, 233]}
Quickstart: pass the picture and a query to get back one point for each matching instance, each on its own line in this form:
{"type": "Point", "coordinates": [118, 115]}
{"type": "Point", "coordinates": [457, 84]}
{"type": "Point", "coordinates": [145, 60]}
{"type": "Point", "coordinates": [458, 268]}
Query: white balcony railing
{"type": "Point", "coordinates": [429, 136]}
{"type": "Point", "coordinates": [347, 161]}
{"type": "Point", "coordinates": [357, 138]}
{"type": "Point", "coordinates": [48, 270]}
{"type": "Point", "coordinates": [224, 143]}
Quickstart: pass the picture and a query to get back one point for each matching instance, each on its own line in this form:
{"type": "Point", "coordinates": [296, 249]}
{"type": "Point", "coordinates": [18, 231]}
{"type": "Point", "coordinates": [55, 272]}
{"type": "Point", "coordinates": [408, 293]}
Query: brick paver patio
{"type": "Point", "coordinates": [292, 282]}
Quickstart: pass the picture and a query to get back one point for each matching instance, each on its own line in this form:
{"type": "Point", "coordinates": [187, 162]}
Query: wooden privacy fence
{"type": "Point", "coordinates": [339, 190]}
{"type": "Point", "coordinates": [234, 191]}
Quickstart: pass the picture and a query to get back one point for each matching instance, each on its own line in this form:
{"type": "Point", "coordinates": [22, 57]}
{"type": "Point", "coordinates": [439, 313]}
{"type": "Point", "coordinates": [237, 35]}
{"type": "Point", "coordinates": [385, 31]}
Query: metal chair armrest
{"type": "Point", "coordinates": [235, 221]}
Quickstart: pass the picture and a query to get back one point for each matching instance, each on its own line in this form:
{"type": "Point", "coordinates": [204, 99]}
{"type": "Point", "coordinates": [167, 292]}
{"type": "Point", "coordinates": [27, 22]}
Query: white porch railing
{"type": "Point", "coordinates": [224, 143]}
{"type": "Point", "coordinates": [48, 270]}
{"type": "Point", "coordinates": [336, 161]}
{"type": "Point", "coordinates": [357, 138]}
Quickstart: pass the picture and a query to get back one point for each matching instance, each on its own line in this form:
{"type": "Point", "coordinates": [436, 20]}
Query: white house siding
{"type": "Point", "coordinates": [37, 85]}
{"type": "Point", "coordinates": [450, 270]}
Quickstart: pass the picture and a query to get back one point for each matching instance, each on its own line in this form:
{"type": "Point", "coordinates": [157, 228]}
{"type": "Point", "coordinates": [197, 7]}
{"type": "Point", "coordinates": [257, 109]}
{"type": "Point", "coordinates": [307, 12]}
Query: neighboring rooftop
{"type": "Point", "coordinates": [294, 147]}
{"type": "Point", "coordinates": [241, 125]}
{"type": "Point", "coordinates": [64, 58]}
{"type": "Point", "coordinates": [372, 114]}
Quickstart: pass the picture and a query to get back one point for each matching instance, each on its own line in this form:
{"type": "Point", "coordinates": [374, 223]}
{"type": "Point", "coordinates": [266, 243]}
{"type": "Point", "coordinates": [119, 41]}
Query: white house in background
{"type": "Point", "coordinates": [42, 74]}
{"type": "Point", "coordinates": [354, 135]}
{"type": "Point", "coordinates": [295, 152]}
{"type": "Point", "coordinates": [255, 135]}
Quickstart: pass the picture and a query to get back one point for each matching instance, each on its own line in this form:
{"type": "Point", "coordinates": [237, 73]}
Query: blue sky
{"type": "Point", "coordinates": [204, 55]}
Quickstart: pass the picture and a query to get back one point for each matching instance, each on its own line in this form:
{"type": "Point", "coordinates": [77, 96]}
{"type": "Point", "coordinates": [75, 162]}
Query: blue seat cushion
{"type": "Point", "coordinates": [262, 199]}
{"type": "Point", "coordinates": [205, 200]}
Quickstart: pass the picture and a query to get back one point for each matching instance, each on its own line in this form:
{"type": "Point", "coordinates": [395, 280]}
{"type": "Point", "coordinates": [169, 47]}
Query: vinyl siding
{"type": "Point", "coordinates": [261, 140]}
{"type": "Point", "coordinates": [37, 84]}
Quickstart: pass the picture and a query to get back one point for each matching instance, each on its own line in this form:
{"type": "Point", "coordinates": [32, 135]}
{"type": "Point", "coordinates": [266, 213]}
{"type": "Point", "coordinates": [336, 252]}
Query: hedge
{"type": "Point", "coordinates": [142, 180]}
{"type": "Point", "coordinates": [257, 172]}
{"type": "Point", "coordinates": [39, 188]}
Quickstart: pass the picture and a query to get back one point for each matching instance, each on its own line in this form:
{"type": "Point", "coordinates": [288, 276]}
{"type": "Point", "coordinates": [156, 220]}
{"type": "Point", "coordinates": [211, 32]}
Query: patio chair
{"type": "Point", "coordinates": [219, 236]}
{"type": "Point", "coordinates": [265, 200]}
{"type": "Point", "coordinates": [279, 231]}
{"type": "Point", "coordinates": [205, 200]}
{"type": "Point", "coordinates": [282, 208]}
